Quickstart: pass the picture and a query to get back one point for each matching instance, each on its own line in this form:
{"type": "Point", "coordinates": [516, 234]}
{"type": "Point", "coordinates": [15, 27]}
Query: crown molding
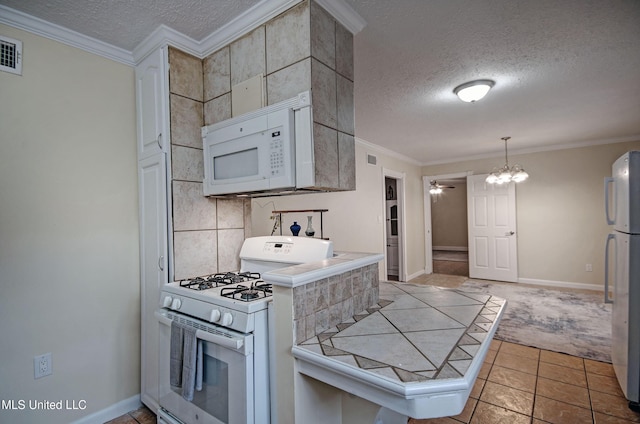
{"type": "Point", "coordinates": [63, 35]}
{"type": "Point", "coordinates": [234, 29]}
{"type": "Point", "coordinates": [541, 149]}
{"type": "Point", "coordinates": [244, 23]}
{"type": "Point", "coordinates": [344, 14]}
{"type": "Point", "coordinates": [164, 35]}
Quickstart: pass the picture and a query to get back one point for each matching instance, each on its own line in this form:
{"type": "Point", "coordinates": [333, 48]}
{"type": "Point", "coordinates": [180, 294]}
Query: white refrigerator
{"type": "Point", "coordinates": [622, 271]}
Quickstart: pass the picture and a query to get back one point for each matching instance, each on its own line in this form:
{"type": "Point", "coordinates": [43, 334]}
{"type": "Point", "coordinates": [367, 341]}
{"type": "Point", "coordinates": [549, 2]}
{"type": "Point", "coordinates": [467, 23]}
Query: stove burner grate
{"type": "Point", "coordinates": [220, 279]}
{"type": "Point", "coordinates": [257, 290]}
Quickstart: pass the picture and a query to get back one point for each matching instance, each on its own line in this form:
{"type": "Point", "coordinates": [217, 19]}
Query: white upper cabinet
{"type": "Point", "coordinates": [152, 88]}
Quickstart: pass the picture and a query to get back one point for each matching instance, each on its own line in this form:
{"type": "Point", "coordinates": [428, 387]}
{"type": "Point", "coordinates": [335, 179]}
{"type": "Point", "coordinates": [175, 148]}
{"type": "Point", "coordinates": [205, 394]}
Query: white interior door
{"type": "Point", "coordinates": [392, 238]}
{"type": "Point", "coordinates": [493, 247]}
{"type": "Point", "coordinates": [395, 245]}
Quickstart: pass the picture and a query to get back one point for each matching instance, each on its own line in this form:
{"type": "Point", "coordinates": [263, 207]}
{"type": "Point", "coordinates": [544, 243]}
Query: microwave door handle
{"type": "Point", "coordinates": [607, 299]}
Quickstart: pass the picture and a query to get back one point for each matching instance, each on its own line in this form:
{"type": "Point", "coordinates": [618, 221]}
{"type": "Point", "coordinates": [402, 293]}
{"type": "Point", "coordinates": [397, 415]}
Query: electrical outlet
{"type": "Point", "coordinates": [42, 365]}
{"type": "Point", "coordinates": [588, 268]}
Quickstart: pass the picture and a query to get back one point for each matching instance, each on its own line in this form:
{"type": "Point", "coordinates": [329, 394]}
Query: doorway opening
{"type": "Point", "coordinates": [394, 234]}
{"type": "Point", "coordinates": [447, 229]}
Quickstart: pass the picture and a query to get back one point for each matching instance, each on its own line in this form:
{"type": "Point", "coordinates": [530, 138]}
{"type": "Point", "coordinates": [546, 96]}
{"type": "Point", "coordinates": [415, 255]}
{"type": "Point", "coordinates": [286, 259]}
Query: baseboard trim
{"type": "Point", "coordinates": [113, 411]}
{"type": "Point", "coordinates": [454, 248]}
{"type": "Point", "coordinates": [563, 284]}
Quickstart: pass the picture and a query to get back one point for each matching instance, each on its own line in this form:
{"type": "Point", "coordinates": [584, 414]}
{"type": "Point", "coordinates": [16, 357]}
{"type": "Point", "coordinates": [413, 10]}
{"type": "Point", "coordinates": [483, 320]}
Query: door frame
{"type": "Point", "coordinates": [428, 235]}
{"type": "Point", "coordinates": [400, 178]}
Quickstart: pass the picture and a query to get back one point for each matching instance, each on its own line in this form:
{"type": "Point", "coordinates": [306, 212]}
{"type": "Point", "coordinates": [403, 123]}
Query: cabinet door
{"type": "Point", "coordinates": [152, 186]}
{"type": "Point", "coordinates": [152, 104]}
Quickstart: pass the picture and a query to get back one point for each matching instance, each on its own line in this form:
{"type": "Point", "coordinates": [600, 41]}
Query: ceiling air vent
{"type": "Point", "coordinates": [10, 55]}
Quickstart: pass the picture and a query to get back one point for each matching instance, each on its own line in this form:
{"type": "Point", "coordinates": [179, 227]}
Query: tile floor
{"type": "Point", "coordinates": [521, 384]}
{"type": "Point", "coordinates": [140, 416]}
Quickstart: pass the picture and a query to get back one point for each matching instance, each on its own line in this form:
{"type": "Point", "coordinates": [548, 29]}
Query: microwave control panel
{"type": "Point", "coordinates": [276, 153]}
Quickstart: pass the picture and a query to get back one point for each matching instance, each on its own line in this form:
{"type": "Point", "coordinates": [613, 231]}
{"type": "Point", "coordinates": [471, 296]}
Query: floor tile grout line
{"type": "Point", "coordinates": [586, 378]}
{"type": "Point", "coordinates": [535, 387]}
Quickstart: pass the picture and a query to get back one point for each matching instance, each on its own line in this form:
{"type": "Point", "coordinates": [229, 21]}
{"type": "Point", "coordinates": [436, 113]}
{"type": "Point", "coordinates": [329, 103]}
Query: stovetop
{"type": "Point", "coordinates": [211, 297]}
{"type": "Point", "coordinates": [220, 279]}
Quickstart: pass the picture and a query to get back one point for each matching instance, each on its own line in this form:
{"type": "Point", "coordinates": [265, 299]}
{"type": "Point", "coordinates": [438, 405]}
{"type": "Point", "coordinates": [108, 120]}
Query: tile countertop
{"type": "Point", "coordinates": [298, 275]}
{"type": "Point", "coordinates": [418, 353]}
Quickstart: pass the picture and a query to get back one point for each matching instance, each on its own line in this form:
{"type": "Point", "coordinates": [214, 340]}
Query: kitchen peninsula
{"type": "Point", "coordinates": [348, 346]}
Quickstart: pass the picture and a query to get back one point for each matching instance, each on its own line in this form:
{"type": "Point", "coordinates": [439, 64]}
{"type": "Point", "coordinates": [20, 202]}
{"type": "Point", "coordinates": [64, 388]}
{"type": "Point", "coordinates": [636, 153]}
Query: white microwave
{"type": "Point", "coordinates": [265, 151]}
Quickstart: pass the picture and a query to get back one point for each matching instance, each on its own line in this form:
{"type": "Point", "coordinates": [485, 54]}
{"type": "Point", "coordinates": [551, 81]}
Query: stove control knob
{"type": "Point", "coordinates": [215, 315]}
{"type": "Point", "coordinates": [176, 304]}
{"type": "Point", "coordinates": [166, 302]}
{"type": "Point", "coordinates": [227, 319]}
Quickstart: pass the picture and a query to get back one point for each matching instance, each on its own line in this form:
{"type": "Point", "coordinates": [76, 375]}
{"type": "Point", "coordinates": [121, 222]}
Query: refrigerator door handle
{"type": "Point", "coordinates": [608, 182]}
{"type": "Point", "coordinates": [607, 299]}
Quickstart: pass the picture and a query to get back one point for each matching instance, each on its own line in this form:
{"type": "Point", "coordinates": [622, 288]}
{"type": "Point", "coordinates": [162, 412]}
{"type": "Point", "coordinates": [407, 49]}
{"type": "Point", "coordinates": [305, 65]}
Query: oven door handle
{"type": "Point", "coordinates": [228, 342]}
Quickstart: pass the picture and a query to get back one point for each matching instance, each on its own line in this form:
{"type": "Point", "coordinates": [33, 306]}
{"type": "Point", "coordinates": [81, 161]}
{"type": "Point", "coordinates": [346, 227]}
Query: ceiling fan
{"type": "Point", "coordinates": [435, 188]}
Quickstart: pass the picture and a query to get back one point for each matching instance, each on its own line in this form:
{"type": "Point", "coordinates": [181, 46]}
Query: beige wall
{"type": "Point", "coordinates": [69, 269]}
{"type": "Point", "coordinates": [355, 218]}
{"type": "Point", "coordinates": [560, 223]}
{"type": "Point", "coordinates": [449, 217]}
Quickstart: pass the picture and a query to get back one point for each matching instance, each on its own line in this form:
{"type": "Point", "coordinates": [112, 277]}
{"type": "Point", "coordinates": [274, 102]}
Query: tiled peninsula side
{"type": "Point", "coordinates": [320, 305]}
{"type": "Point", "coordinates": [309, 299]}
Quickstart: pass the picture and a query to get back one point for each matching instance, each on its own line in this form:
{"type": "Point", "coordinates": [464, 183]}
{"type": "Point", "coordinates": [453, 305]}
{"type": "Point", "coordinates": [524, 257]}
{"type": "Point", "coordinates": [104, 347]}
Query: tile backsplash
{"type": "Point", "coordinates": [207, 232]}
{"type": "Point", "coordinates": [303, 48]}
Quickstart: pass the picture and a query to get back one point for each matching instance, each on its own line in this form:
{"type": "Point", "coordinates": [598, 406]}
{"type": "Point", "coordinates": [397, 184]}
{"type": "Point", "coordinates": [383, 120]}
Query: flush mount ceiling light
{"type": "Point", "coordinates": [473, 91]}
{"type": "Point", "coordinates": [507, 174]}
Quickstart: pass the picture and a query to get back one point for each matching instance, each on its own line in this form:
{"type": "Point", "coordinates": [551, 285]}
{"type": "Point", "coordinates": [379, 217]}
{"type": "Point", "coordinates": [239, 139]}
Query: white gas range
{"type": "Point", "coordinates": [228, 314]}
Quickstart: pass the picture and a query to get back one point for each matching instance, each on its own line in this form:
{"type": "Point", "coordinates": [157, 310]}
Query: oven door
{"type": "Point", "coordinates": [227, 377]}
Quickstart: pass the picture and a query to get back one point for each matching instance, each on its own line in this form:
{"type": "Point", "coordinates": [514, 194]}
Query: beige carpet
{"type": "Point", "coordinates": [451, 262]}
{"type": "Point", "coordinates": [450, 255]}
{"type": "Point", "coordinates": [572, 322]}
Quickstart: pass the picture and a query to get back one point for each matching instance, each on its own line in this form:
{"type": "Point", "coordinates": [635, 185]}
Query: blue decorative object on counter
{"type": "Point", "coordinates": [295, 228]}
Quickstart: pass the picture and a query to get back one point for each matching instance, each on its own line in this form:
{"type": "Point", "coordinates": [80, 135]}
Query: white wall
{"type": "Point", "coordinates": [69, 268]}
{"type": "Point", "coordinates": [560, 223]}
{"type": "Point", "coordinates": [355, 218]}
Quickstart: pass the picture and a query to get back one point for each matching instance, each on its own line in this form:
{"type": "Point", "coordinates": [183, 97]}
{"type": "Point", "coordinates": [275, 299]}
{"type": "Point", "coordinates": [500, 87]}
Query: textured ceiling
{"type": "Point", "coordinates": [126, 23]}
{"type": "Point", "coordinates": [567, 72]}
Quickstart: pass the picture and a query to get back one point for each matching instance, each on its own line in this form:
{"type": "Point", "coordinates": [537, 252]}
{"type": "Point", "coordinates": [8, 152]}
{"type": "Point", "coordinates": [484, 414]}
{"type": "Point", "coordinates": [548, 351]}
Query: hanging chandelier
{"type": "Point", "coordinates": [506, 174]}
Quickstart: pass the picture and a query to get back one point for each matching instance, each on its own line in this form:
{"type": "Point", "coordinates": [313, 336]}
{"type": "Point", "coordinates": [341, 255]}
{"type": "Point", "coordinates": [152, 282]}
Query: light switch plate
{"type": "Point", "coordinates": [247, 96]}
